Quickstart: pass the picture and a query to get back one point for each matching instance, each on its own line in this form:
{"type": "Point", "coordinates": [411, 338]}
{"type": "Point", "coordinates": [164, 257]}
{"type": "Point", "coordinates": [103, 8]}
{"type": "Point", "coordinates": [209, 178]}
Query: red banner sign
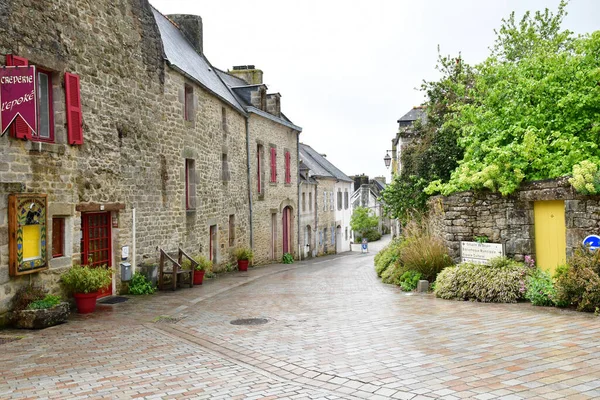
{"type": "Point", "coordinates": [17, 96]}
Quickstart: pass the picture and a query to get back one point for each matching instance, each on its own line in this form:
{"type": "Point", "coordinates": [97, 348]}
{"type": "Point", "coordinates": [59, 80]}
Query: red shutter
{"type": "Point", "coordinates": [273, 164]}
{"type": "Point", "coordinates": [288, 175]}
{"type": "Point", "coordinates": [73, 100]}
{"type": "Point", "coordinates": [19, 128]}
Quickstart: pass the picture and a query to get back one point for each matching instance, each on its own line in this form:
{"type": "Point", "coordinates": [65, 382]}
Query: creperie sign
{"type": "Point", "coordinates": [17, 96]}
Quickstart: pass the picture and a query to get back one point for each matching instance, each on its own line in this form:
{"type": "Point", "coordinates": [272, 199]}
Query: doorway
{"type": "Point", "coordinates": [96, 248]}
{"type": "Point", "coordinates": [550, 234]}
{"type": "Point", "coordinates": [287, 229]}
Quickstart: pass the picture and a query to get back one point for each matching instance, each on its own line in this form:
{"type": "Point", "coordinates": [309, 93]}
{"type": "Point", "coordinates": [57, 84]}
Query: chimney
{"type": "Point", "coordinates": [274, 104]}
{"type": "Point", "coordinates": [380, 179]}
{"type": "Point", "coordinates": [191, 26]}
{"type": "Point", "coordinates": [248, 73]}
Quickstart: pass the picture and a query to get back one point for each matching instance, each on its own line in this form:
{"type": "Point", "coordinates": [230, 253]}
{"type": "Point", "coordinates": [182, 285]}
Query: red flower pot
{"type": "Point", "coordinates": [198, 277]}
{"type": "Point", "coordinates": [85, 302]}
{"type": "Point", "coordinates": [242, 265]}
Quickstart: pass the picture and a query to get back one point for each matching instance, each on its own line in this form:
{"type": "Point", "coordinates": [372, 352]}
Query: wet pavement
{"type": "Point", "coordinates": [332, 331]}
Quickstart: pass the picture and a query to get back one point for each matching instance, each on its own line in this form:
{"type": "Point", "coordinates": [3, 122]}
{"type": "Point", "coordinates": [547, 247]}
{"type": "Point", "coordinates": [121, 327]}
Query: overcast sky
{"type": "Point", "coordinates": [348, 70]}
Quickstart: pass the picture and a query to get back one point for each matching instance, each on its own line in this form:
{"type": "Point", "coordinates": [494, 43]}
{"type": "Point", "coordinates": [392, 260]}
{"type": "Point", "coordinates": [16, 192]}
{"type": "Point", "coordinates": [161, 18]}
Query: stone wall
{"type": "Point", "coordinates": [510, 219]}
{"type": "Point", "coordinates": [136, 139]}
{"type": "Point", "coordinates": [267, 208]}
{"type": "Point", "coordinates": [327, 216]}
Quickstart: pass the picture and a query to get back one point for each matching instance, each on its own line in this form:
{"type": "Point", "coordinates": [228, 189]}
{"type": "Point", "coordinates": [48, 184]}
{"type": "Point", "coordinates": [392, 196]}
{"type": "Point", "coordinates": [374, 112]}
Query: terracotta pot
{"type": "Point", "coordinates": [242, 265]}
{"type": "Point", "coordinates": [198, 277]}
{"type": "Point", "coordinates": [85, 302]}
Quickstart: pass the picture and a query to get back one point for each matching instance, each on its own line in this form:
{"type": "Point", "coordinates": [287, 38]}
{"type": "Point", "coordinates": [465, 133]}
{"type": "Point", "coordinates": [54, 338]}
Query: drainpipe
{"type": "Point", "coordinates": [299, 187]}
{"type": "Point", "coordinates": [249, 179]}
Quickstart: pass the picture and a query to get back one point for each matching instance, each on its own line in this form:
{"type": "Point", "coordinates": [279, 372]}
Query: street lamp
{"type": "Point", "coordinates": [387, 159]}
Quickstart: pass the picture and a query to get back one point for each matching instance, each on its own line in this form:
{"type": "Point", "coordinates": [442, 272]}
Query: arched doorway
{"type": "Point", "coordinates": [287, 229]}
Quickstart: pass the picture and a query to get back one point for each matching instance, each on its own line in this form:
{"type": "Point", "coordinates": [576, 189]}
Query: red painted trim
{"type": "Point", "coordinates": [258, 148]}
{"type": "Point", "coordinates": [73, 109]}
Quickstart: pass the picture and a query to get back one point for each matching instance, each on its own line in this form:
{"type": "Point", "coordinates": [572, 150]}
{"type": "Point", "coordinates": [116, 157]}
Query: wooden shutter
{"type": "Point", "coordinates": [288, 174]}
{"type": "Point", "coordinates": [73, 102]}
{"type": "Point", "coordinates": [258, 171]}
{"type": "Point", "coordinates": [19, 128]}
{"type": "Point", "coordinates": [273, 164]}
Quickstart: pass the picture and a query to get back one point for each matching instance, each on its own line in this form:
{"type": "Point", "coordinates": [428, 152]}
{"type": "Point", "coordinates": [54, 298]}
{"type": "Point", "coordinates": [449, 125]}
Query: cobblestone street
{"type": "Point", "coordinates": [333, 331]}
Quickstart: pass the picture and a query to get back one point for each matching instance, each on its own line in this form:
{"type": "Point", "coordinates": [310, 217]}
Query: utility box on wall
{"type": "Point", "coordinates": [125, 271]}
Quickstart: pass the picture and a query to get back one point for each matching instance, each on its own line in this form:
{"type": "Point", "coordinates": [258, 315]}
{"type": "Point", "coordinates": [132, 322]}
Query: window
{"type": "Point", "coordinates": [325, 201]}
{"type": "Point", "coordinates": [309, 201]}
{"type": "Point", "coordinates": [303, 201]}
{"type": "Point", "coordinates": [331, 206]}
{"type": "Point", "coordinates": [273, 165]}
{"type": "Point", "coordinates": [45, 128]}
{"type": "Point", "coordinates": [339, 199]}
{"type": "Point", "coordinates": [224, 119]}
{"type": "Point", "coordinates": [259, 168]}
{"type": "Point", "coordinates": [346, 199]}
{"type": "Point", "coordinates": [231, 230]}
{"type": "Point", "coordinates": [188, 113]}
{"type": "Point", "coordinates": [190, 184]}
{"type": "Point", "coordinates": [58, 237]}
{"type": "Point", "coordinates": [225, 175]}
{"type": "Point", "coordinates": [288, 172]}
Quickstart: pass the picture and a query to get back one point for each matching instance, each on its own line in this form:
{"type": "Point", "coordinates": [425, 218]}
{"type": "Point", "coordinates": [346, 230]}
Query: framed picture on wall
{"type": "Point", "coordinates": [27, 227]}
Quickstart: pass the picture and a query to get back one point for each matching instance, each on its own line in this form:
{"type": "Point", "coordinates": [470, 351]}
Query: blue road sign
{"type": "Point", "coordinates": [592, 241]}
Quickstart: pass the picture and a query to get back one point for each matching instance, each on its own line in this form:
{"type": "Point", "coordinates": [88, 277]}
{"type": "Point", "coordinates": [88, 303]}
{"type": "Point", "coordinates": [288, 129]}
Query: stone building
{"type": "Point", "coordinates": [366, 194]}
{"type": "Point", "coordinates": [140, 144]}
{"type": "Point", "coordinates": [273, 165]}
{"type": "Point", "coordinates": [326, 231]}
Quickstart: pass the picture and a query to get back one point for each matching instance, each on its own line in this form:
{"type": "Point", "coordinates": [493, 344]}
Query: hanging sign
{"type": "Point", "coordinates": [17, 96]}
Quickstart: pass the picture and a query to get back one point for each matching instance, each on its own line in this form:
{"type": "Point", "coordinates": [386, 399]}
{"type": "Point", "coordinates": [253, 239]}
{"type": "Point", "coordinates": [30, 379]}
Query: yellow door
{"type": "Point", "coordinates": [550, 234]}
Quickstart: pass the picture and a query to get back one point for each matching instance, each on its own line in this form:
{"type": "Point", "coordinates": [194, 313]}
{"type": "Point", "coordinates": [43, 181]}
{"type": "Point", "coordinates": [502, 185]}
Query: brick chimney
{"type": "Point", "coordinates": [248, 73]}
{"type": "Point", "coordinates": [191, 26]}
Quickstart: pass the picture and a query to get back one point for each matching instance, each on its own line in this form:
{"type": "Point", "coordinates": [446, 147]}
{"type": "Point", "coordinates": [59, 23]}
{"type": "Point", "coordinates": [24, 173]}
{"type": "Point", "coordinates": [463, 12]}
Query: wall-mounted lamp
{"type": "Point", "coordinates": [387, 159]}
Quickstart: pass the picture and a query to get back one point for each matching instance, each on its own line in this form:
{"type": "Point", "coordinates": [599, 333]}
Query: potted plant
{"type": "Point", "coordinates": [85, 282]}
{"type": "Point", "coordinates": [243, 256]}
{"type": "Point", "coordinates": [34, 308]}
{"type": "Point", "coordinates": [203, 266]}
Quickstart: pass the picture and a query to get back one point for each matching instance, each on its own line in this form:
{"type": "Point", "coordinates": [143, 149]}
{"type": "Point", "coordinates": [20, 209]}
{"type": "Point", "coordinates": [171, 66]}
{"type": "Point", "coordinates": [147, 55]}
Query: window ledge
{"type": "Point", "coordinates": [40, 147]}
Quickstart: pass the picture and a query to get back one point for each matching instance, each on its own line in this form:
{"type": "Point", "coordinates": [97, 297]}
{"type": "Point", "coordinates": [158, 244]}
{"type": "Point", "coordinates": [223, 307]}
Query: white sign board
{"type": "Point", "coordinates": [480, 253]}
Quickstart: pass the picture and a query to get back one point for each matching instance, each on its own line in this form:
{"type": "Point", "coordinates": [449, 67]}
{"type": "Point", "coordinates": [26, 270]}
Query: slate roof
{"type": "Point", "coordinates": [319, 165]}
{"type": "Point", "coordinates": [414, 114]}
{"type": "Point", "coordinates": [180, 54]}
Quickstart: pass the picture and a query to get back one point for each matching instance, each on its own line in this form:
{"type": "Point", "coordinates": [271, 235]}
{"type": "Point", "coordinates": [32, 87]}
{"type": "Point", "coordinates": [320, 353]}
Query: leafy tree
{"type": "Point", "coordinates": [363, 220]}
{"type": "Point", "coordinates": [533, 111]}
{"type": "Point", "coordinates": [435, 152]}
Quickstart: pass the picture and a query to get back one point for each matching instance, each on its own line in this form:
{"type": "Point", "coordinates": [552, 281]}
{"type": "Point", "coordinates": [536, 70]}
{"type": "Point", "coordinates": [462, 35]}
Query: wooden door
{"type": "Point", "coordinates": [96, 243]}
{"type": "Point", "coordinates": [550, 234]}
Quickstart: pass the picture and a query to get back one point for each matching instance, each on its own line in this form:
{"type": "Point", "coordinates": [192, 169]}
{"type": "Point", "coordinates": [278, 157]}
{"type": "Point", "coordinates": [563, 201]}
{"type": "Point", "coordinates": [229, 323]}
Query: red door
{"type": "Point", "coordinates": [96, 244]}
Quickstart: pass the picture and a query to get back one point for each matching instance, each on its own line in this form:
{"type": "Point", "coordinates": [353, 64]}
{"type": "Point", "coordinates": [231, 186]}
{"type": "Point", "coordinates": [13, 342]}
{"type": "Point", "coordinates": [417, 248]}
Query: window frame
{"type": "Point", "coordinates": [60, 231]}
{"type": "Point", "coordinates": [36, 137]}
{"type": "Point", "coordinates": [188, 100]}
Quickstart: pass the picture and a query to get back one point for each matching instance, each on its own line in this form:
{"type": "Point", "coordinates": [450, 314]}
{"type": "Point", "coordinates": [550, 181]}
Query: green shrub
{"type": "Point", "coordinates": [47, 302]}
{"type": "Point", "coordinates": [371, 236]}
{"type": "Point", "coordinates": [85, 279]}
{"type": "Point", "coordinates": [27, 295]}
{"type": "Point", "coordinates": [287, 258]}
{"type": "Point", "coordinates": [422, 251]}
{"type": "Point", "coordinates": [393, 273]}
{"type": "Point", "coordinates": [204, 264]}
{"type": "Point", "coordinates": [578, 283]}
{"type": "Point", "coordinates": [409, 280]}
{"type": "Point", "coordinates": [494, 284]}
{"type": "Point", "coordinates": [387, 256]}
{"type": "Point", "coordinates": [243, 253]}
{"type": "Point", "coordinates": [140, 285]}
{"type": "Point", "coordinates": [540, 290]}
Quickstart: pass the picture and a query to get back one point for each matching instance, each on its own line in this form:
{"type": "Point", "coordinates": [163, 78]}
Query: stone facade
{"type": "Point", "coordinates": [325, 234]}
{"type": "Point", "coordinates": [269, 204]}
{"type": "Point", "coordinates": [510, 220]}
{"type": "Point", "coordinates": [309, 212]}
{"type": "Point", "coordinates": [153, 138]}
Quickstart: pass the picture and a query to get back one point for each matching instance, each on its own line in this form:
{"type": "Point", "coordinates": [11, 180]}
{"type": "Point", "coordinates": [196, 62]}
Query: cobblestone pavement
{"type": "Point", "coordinates": [333, 331]}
